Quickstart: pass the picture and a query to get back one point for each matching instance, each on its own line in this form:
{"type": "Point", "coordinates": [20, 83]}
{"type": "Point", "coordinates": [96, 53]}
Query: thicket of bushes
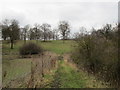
{"type": "Point", "coordinates": [98, 54]}
{"type": "Point", "coordinates": [30, 48]}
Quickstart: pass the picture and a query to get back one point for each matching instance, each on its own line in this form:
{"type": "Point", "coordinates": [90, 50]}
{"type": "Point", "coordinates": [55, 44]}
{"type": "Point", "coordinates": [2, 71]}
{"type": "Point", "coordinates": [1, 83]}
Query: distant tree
{"type": "Point", "coordinates": [25, 32]}
{"type": "Point", "coordinates": [10, 30]}
{"type": "Point", "coordinates": [64, 29]}
{"type": "Point", "coordinates": [55, 34]}
{"type": "Point", "coordinates": [83, 31]}
{"type": "Point", "coordinates": [14, 32]}
{"type": "Point", "coordinates": [107, 30]}
{"type": "Point", "coordinates": [45, 28]}
{"type": "Point", "coordinates": [31, 34]}
{"type": "Point", "coordinates": [37, 31]}
{"type": "Point", "coordinates": [40, 34]}
{"type": "Point", "coordinates": [5, 29]}
{"type": "Point", "coordinates": [76, 36]}
{"type": "Point", "coordinates": [50, 35]}
{"type": "Point", "coordinates": [21, 34]}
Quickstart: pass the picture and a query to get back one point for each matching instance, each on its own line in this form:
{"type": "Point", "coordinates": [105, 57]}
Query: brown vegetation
{"type": "Point", "coordinates": [98, 54]}
{"type": "Point", "coordinates": [30, 48]}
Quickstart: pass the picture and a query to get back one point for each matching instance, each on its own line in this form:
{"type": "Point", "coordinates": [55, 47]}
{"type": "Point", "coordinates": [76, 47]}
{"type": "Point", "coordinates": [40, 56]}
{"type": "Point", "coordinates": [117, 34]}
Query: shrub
{"type": "Point", "coordinates": [30, 48]}
{"type": "Point", "coordinates": [98, 54]}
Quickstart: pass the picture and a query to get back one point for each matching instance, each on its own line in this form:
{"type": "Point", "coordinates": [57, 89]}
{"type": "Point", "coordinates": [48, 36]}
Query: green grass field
{"type": "Point", "coordinates": [56, 46]}
{"type": "Point", "coordinates": [65, 76]}
{"type": "Point", "coordinates": [16, 67]}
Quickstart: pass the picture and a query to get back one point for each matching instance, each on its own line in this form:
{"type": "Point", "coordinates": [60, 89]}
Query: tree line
{"type": "Point", "coordinates": [12, 31]}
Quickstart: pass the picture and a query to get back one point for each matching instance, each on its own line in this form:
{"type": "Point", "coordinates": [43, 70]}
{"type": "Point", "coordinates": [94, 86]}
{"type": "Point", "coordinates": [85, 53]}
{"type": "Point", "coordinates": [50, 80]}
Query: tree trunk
{"type": "Point", "coordinates": [4, 38]}
{"type": "Point", "coordinates": [63, 38]}
{"type": "Point", "coordinates": [11, 44]}
{"type": "Point", "coordinates": [24, 41]}
{"type": "Point", "coordinates": [42, 66]}
{"type": "Point", "coordinates": [44, 38]}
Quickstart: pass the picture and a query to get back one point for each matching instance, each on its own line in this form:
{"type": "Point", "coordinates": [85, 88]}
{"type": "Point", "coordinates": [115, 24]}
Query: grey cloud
{"type": "Point", "coordinates": [87, 14]}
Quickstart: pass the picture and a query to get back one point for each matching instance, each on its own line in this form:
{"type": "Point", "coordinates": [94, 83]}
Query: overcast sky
{"type": "Point", "coordinates": [89, 13]}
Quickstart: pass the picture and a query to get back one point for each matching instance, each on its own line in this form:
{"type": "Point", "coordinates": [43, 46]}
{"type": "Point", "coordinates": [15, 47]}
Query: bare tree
{"type": "Point", "coordinates": [76, 36]}
{"type": "Point", "coordinates": [45, 28]}
{"type": "Point", "coordinates": [14, 32]}
{"type": "Point", "coordinates": [25, 32]}
{"type": "Point", "coordinates": [107, 30]}
{"type": "Point", "coordinates": [83, 31]}
{"type": "Point", "coordinates": [5, 29]}
{"type": "Point", "coordinates": [31, 34]}
{"type": "Point", "coordinates": [64, 29]}
{"type": "Point", "coordinates": [55, 34]}
{"type": "Point", "coordinates": [50, 35]}
{"type": "Point", "coordinates": [37, 31]}
{"type": "Point", "coordinates": [10, 30]}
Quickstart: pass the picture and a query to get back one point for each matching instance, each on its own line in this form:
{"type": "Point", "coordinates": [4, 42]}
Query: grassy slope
{"type": "Point", "coordinates": [6, 47]}
{"type": "Point", "coordinates": [56, 46]}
